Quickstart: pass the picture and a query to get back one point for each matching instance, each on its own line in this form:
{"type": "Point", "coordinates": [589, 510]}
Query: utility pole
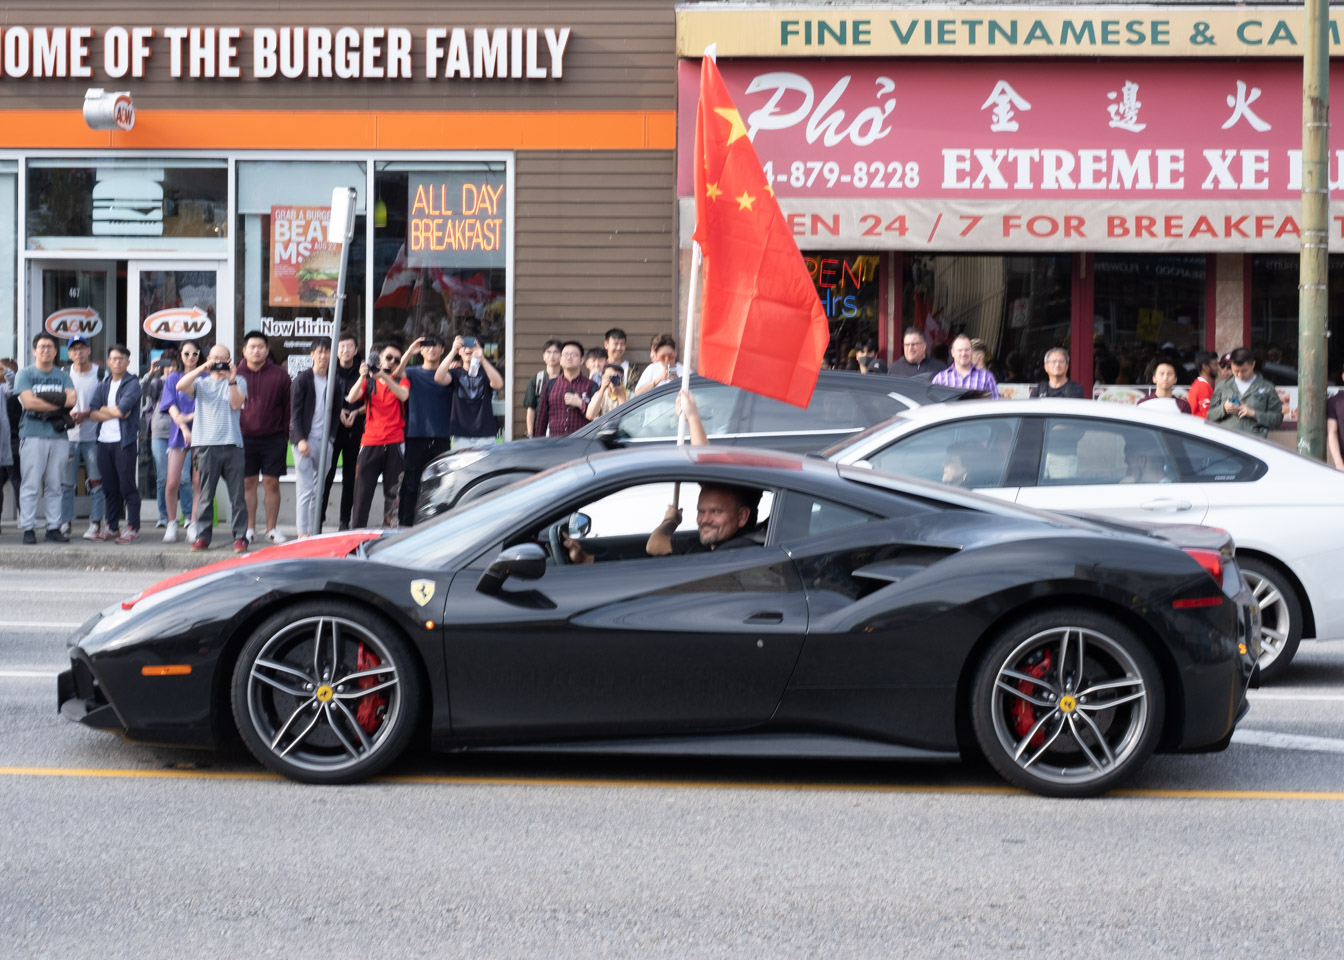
{"type": "Point", "coordinates": [1314, 269]}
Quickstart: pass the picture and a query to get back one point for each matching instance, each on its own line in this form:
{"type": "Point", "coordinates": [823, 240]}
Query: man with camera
{"type": "Point", "coordinates": [384, 431]}
{"type": "Point", "coordinates": [473, 383]}
{"type": "Point", "coordinates": [46, 394]}
{"type": "Point", "coordinates": [610, 394]}
{"type": "Point", "coordinates": [217, 441]}
{"type": "Point", "coordinates": [428, 415]}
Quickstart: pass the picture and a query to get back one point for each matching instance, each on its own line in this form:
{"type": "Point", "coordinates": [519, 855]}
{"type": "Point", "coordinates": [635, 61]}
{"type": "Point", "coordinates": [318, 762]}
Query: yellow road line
{"type": "Point", "coordinates": [470, 781]}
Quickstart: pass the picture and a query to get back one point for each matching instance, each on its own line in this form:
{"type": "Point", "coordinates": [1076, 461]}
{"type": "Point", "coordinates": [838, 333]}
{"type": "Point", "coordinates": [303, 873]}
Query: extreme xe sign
{"type": "Point", "coordinates": [1045, 154]}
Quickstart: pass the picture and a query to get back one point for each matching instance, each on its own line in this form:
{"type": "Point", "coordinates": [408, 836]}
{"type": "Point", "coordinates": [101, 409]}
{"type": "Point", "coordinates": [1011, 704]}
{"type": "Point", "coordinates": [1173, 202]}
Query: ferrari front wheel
{"type": "Point", "coordinates": [1067, 703]}
{"type": "Point", "coordinates": [326, 692]}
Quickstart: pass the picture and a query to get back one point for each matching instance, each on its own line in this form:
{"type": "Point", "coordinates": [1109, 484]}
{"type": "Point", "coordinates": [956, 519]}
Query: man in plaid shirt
{"type": "Point", "coordinates": [964, 373]}
{"type": "Point", "coordinates": [563, 403]}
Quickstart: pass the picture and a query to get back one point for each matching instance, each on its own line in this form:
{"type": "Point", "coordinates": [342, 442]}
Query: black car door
{"type": "Point", "coordinates": [626, 647]}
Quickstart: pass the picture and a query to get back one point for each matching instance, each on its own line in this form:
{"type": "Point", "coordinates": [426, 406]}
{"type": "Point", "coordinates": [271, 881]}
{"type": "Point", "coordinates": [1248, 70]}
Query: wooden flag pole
{"type": "Point", "coordinates": [687, 340]}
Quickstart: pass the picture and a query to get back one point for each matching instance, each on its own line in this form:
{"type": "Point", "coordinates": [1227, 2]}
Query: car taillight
{"type": "Point", "coordinates": [1211, 561]}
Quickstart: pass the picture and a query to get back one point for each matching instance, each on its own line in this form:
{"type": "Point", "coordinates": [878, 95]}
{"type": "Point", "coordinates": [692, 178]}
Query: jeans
{"type": "Point", "coordinates": [87, 451]}
{"type": "Point", "coordinates": [117, 463]}
{"type": "Point", "coordinates": [160, 446]}
{"type": "Point", "coordinates": [216, 463]}
{"type": "Point", "coordinates": [387, 460]}
{"type": "Point", "coordinates": [43, 460]}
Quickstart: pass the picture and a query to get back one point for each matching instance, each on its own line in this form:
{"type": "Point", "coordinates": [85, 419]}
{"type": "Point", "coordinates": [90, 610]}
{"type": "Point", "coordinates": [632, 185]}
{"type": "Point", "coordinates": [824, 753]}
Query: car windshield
{"type": "Point", "coordinates": [449, 535]}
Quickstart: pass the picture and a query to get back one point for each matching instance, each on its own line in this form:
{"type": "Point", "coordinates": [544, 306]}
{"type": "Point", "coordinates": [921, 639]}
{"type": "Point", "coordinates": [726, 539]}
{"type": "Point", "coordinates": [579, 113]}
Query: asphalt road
{"type": "Point", "coordinates": [113, 849]}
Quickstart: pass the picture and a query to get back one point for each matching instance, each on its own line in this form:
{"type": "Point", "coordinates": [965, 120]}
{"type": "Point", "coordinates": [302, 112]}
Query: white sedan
{"type": "Point", "coordinates": [1285, 511]}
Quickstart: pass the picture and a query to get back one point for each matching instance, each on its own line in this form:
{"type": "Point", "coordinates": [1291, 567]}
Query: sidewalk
{"type": "Point", "coordinates": [150, 554]}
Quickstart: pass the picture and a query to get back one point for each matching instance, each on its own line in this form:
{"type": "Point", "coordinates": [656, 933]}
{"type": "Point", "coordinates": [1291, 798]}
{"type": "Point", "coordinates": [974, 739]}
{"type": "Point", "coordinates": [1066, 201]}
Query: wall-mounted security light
{"type": "Point", "coordinates": [108, 110]}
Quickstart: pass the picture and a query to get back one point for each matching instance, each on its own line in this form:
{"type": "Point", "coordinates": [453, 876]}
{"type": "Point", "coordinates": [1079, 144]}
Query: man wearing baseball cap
{"type": "Point", "coordinates": [84, 374]}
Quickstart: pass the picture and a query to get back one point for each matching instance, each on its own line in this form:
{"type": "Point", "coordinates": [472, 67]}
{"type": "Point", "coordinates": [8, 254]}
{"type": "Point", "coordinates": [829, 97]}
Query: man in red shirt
{"type": "Point", "coordinates": [384, 432]}
{"type": "Point", "coordinates": [265, 422]}
{"type": "Point", "coordinates": [1201, 391]}
{"type": "Point", "coordinates": [562, 405]}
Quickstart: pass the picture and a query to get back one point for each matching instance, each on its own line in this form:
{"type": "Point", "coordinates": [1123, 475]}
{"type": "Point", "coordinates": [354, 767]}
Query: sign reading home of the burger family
{"type": "Point", "coordinates": [312, 53]}
{"type": "Point", "coordinates": [456, 219]}
{"type": "Point", "coordinates": [993, 30]}
{"type": "Point", "coordinates": [304, 266]}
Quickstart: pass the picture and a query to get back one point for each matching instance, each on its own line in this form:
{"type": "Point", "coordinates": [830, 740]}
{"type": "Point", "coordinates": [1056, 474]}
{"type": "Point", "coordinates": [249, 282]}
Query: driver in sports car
{"type": "Point", "coordinates": [725, 516]}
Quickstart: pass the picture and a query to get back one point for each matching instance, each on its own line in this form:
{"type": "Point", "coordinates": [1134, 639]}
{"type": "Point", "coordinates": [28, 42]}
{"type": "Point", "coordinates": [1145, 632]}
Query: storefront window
{"type": "Point", "coordinates": [1145, 307]}
{"type": "Point", "coordinates": [127, 203]}
{"type": "Point", "coordinates": [9, 232]}
{"type": "Point", "coordinates": [847, 284]}
{"type": "Point", "coordinates": [286, 269]}
{"type": "Point", "coordinates": [1274, 313]}
{"type": "Point", "coordinates": [1019, 306]}
{"type": "Point", "coordinates": [440, 248]}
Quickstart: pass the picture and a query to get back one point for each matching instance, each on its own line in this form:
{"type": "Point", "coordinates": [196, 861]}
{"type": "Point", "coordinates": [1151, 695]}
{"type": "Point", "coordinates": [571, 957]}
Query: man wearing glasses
{"type": "Point", "coordinates": [1057, 383]}
{"type": "Point", "coordinates": [915, 360]}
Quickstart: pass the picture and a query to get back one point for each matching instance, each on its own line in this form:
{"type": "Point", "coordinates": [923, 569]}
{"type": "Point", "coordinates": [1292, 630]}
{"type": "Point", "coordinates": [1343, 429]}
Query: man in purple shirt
{"type": "Point", "coordinates": [265, 423]}
{"type": "Point", "coordinates": [562, 404]}
{"type": "Point", "coordinates": [964, 373]}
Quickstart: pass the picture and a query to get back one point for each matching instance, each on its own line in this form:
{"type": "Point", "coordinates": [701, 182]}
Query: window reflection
{"type": "Point", "coordinates": [1145, 308]}
{"type": "Point", "coordinates": [1274, 316]}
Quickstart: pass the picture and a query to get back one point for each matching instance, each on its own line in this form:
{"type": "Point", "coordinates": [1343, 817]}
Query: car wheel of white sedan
{"type": "Point", "coordinates": [1067, 703]}
{"type": "Point", "coordinates": [1280, 616]}
{"type": "Point", "coordinates": [326, 693]}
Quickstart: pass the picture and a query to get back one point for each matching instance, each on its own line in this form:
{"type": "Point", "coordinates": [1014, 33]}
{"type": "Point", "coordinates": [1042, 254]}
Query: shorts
{"type": "Point", "coordinates": [265, 455]}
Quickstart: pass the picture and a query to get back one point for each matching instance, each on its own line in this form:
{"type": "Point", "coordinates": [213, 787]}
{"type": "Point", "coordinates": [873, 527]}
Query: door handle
{"type": "Point", "coordinates": [765, 616]}
{"type": "Point", "coordinates": [1166, 503]}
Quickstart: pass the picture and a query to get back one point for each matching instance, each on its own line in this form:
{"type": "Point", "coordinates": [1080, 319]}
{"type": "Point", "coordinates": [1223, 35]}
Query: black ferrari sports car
{"type": "Point", "coordinates": [793, 607]}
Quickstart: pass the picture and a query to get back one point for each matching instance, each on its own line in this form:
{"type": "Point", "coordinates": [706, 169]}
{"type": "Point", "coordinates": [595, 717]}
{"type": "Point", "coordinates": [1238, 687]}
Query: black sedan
{"type": "Point", "coordinates": [836, 612]}
{"type": "Point", "coordinates": [842, 404]}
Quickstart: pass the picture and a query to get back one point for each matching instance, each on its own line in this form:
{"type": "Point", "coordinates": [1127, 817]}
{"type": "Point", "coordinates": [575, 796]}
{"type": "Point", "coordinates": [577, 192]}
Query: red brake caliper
{"type": "Point", "coordinates": [371, 707]}
{"type": "Point", "coordinates": [1024, 715]}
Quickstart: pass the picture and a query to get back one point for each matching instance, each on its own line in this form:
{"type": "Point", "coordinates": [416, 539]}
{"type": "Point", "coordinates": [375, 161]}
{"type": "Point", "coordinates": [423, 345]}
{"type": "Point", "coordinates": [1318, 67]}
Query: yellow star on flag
{"type": "Point", "coordinates": [712, 191]}
{"type": "Point", "coordinates": [745, 201]}
{"type": "Point", "coordinates": [738, 129]}
{"type": "Point", "coordinates": [770, 188]}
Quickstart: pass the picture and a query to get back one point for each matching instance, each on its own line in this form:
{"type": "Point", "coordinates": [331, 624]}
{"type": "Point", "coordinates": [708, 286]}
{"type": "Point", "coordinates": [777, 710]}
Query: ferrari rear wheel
{"type": "Point", "coordinates": [1067, 703]}
{"type": "Point", "coordinates": [326, 692]}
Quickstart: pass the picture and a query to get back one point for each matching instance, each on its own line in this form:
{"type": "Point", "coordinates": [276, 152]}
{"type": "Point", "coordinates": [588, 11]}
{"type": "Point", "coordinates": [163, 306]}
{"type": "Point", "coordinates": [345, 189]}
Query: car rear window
{"type": "Point", "coordinates": [831, 408]}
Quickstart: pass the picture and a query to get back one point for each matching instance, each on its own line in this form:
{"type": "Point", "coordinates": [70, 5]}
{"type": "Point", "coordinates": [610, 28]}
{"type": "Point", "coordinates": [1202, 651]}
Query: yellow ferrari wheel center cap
{"type": "Point", "coordinates": [325, 693]}
{"type": "Point", "coordinates": [1067, 704]}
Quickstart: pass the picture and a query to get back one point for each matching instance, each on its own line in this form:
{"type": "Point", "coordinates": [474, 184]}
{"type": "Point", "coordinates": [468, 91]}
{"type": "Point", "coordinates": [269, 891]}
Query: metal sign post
{"type": "Point", "coordinates": [340, 229]}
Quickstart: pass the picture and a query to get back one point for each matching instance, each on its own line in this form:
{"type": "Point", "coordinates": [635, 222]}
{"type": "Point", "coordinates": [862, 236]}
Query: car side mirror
{"type": "Point", "coordinates": [609, 436]}
{"type": "Point", "coordinates": [526, 561]}
{"type": "Point", "coordinates": [580, 526]}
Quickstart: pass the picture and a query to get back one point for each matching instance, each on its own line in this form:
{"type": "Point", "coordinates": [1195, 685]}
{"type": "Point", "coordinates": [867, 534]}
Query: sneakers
{"type": "Point", "coordinates": [250, 534]}
{"type": "Point", "coordinates": [275, 536]}
{"type": "Point", "coordinates": [29, 537]}
{"type": "Point", "coordinates": [65, 529]}
{"type": "Point", "coordinates": [200, 544]}
{"type": "Point", "coordinates": [193, 532]}
{"type": "Point", "coordinates": [240, 546]}
{"type": "Point", "coordinates": [106, 534]}
{"type": "Point", "coordinates": [170, 534]}
{"type": "Point", "coordinates": [55, 536]}
{"type": "Point", "coordinates": [130, 536]}
{"type": "Point", "coordinates": [92, 533]}
{"type": "Point", "coordinates": [163, 522]}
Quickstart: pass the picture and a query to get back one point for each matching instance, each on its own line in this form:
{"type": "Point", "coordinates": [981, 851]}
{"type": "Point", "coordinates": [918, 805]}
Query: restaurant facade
{"type": "Point", "coordinates": [513, 166]}
{"type": "Point", "coordinates": [1120, 181]}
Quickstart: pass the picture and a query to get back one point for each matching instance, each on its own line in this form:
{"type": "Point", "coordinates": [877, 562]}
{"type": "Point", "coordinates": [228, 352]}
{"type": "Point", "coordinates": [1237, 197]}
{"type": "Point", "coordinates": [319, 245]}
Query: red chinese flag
{"type": "Point", "coordinates": [762, 326]}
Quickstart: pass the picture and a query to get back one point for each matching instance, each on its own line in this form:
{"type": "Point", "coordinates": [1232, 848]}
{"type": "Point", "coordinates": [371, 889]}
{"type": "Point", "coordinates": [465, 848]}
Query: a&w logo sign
{"type": "Point", "coordinates": [74, 322]}
{"type": "Point", "coordinates": [178, 323]}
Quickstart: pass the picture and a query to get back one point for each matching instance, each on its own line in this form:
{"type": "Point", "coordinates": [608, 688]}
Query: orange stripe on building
{"type": "Point", "coordinates": [347, 130]}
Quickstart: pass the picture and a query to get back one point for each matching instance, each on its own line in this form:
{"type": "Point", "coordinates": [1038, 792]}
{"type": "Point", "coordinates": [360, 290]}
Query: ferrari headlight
{"type": "Point", "coordinates": [454, 461]}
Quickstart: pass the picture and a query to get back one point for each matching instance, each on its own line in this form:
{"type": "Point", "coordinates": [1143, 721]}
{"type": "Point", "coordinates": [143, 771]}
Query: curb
{"type": "Point", "coordinates": [63, 557]}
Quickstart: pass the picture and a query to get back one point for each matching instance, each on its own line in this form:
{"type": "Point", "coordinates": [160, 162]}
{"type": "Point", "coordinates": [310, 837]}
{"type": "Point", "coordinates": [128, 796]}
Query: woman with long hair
{"type": "Point", "coordinates": [182, 409]}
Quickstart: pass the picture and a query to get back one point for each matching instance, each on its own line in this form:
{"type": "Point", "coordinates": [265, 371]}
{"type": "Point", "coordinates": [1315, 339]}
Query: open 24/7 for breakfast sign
{"type": "Point", "coordinates": [304, 266]}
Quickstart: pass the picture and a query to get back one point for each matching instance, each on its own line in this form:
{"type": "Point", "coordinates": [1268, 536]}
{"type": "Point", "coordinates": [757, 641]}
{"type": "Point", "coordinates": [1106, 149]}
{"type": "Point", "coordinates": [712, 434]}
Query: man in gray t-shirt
{"type": "Point", "coordinates": [217, 441]}
{"type": "Point", "coordinates": [44, 391]}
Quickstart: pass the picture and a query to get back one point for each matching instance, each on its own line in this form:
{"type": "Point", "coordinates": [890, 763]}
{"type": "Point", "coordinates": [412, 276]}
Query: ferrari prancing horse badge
{"type": "Point", "coordinates": [422, 591]}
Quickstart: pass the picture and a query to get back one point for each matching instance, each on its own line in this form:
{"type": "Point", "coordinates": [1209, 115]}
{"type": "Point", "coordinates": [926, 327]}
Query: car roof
{"type": "Point", "coordinates": [1095, 409]}
{"type": "Point", "coordinates": [663, 456]}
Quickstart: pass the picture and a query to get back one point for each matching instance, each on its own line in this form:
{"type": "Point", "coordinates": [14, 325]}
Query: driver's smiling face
{"type": "Point", "coordinates": [719, 515]}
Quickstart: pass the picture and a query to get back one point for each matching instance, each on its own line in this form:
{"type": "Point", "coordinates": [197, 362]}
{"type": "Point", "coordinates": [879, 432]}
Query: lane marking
{"type": "Point", "coordinates": [30, 624]}
{"type": "Point", "coordinates": [28, 673]}
{"type": "Point", "coordinates": [66, 590]}
{"type": "Point", "coordinates": [107, 773]}
{"type": "Point", "coordinates": [1288, 741]}
{"type": "Point", "coordinates": [1308, 697]}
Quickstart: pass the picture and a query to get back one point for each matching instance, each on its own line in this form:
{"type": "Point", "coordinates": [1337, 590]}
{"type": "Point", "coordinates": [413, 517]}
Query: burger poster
{"type": "Point", "coordinates": [304, 266]}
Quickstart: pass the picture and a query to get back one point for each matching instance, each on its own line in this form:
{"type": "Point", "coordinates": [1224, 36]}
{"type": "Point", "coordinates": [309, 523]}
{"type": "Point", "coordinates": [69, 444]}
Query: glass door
{"type": "Point", "coordinates": [171, 302]}
{"type": "Point", "coordinates": [73, 299]}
